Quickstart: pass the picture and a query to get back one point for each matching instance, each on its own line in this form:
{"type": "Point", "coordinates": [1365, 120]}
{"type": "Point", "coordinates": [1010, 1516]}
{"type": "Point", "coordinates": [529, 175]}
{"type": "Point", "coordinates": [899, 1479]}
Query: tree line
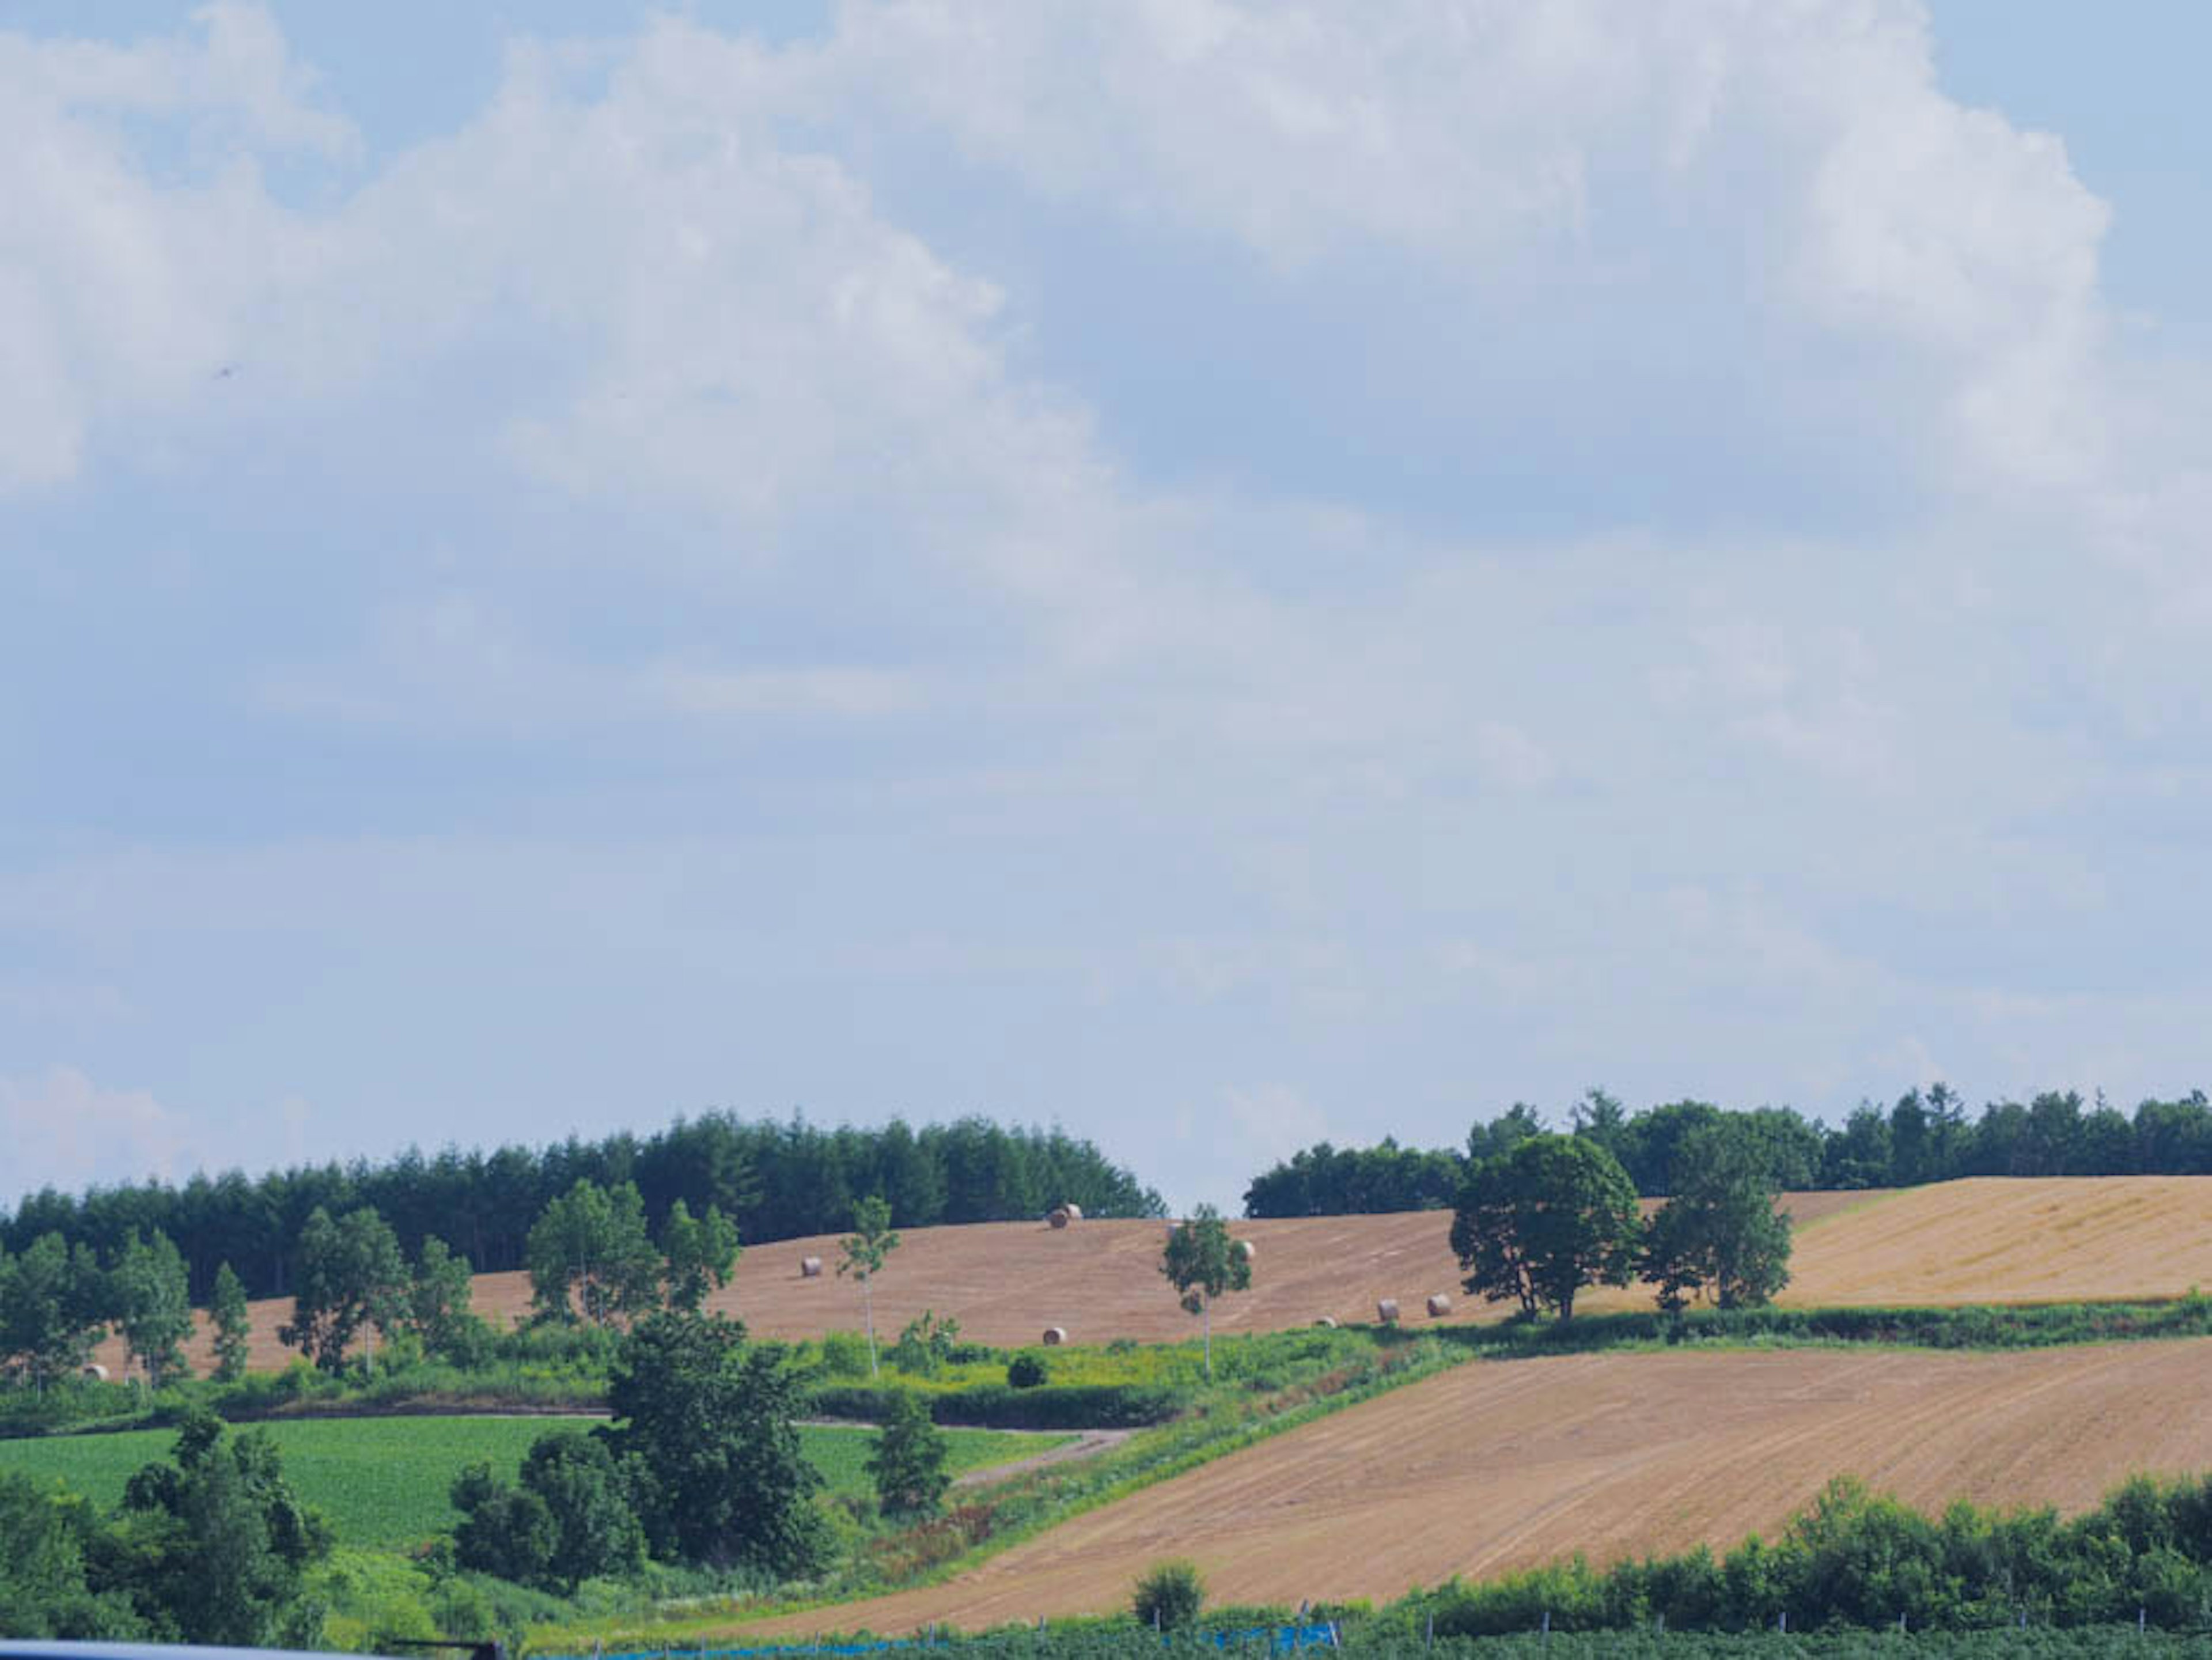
{"type": "Point", "coordinates": [1926, 1135]}
{"type": "Point", "coordinates": [771, 1180]}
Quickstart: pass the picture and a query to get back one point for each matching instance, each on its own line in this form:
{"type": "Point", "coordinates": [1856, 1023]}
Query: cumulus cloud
{"type": "Point", "coordinates": [1871, 219]}
{"type": "Point", "coordinates": [61, 1127]}
{"type": "Point", "coordinates": [1742, 566]}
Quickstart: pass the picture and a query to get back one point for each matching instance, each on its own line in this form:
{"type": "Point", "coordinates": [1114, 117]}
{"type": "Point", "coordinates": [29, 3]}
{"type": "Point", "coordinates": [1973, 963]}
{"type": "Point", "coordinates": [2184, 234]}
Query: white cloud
{"type": "Point", "coordinates": [61, 1127]}
{"type": "Point", "coordinates": [741, 442]}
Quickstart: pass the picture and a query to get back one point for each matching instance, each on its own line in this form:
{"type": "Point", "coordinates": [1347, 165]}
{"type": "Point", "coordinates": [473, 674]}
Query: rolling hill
{"type": "Point", "coordinates": [1981, 1240]}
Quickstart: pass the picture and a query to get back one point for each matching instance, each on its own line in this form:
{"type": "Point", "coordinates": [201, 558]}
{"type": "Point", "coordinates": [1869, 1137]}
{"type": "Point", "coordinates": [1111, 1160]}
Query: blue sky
{"type": "Point", "coordinates": [1216, 574]}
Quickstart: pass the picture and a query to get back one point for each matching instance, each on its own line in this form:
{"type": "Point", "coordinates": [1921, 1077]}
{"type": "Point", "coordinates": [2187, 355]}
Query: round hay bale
{"type": "Point", "coordinates": [1060, 1217]}
{"type": "Point", "coordinates": [1386, 1310]}
{"type": "Point", "coordinates": [1326, 1322]}
{"type": "Point", "coordinates": [1244, 1250]}
{"type": "Point", "coordinates": [1439, 1305]}
{"type": "Point", "coordinates": [1054, 1337]}
{"type": "Point", "coordinates": [95, 1374]}
{"type": "Point", "coordinates": [809, 1267]}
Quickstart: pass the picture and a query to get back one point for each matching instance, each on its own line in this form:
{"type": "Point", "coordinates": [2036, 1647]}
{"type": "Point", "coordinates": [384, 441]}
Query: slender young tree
{"type": "Point", "coordinates": [233, 1325]}
{"type": "Point", "coordinates": [1202, 1261]}
{"type": "Point", "coordinates": [872, 1240]}
{"type": "Point", "coordinates": [153, 1306]}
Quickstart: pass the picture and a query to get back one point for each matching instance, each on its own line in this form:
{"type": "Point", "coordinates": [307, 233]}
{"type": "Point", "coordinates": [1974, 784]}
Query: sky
{"type": "Point", "coordinates": [1216, 574]}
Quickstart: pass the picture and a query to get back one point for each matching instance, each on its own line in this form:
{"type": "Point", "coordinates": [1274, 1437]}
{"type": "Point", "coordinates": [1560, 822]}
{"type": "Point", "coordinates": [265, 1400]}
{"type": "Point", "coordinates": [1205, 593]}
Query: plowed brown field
{"type": "Point", "coordinates": [1973, 1241]}
{"type": "Point", "coordinates": [1498, 1465]}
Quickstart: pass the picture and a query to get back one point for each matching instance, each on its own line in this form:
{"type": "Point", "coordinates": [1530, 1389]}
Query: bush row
{"type": "Point", "coordinates": [999, 1406]}
{"type": "Point", "coordinates": [1980, 1326]}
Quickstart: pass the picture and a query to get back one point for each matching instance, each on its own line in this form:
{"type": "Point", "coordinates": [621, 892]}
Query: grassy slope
{"type": "Point", "coordinates": [383, 1481]}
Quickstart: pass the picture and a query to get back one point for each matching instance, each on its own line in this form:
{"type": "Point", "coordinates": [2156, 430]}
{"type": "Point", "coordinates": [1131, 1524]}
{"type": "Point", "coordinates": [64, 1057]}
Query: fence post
{"type": "Point", "coordinates": [2142, 1612]}
{"type": "Point", "coordinates": [1548, 1625]}
{"type": "Point", "coordinates": [1782, 1621]}
{"type": "Point", "coordinates": [1429, 1641]}
{"type": "Point", "coordinates": [1663, 1622]}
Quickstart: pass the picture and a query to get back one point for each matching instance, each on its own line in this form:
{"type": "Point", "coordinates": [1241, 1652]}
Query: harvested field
{"type": "Point", "coordinates": [1503, 1464]}
{"type": "Point", "coordinates": [1994, 1240]}
{"type": "Point", "coordinates": [1990, 1240]}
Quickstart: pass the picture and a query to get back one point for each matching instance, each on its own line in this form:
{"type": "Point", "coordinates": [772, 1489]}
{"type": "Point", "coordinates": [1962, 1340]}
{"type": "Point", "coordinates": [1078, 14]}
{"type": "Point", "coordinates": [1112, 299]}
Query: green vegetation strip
{"type": "Point", "coordinates": [383, 1481]}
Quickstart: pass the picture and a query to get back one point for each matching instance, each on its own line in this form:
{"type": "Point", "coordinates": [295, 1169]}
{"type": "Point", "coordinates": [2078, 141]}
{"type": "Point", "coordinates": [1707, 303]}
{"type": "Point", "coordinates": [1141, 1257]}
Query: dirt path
{"type": "Point", "coordinates": [1088, 1443]}
{"type": "Point", "coordinates": [1498, 1465]}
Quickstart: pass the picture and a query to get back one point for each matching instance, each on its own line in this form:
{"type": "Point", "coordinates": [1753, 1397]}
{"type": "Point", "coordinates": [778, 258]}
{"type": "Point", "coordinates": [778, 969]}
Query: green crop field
{"type": "Point", "coordinates": [384, 1480]}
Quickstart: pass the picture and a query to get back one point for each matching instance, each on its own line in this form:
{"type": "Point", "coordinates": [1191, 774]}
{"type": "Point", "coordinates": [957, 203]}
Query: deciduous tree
{"type": "Point", "coordinates": [700, 1254]}
{"type": "Point", "coordinates": [233, 1325]}
{"type": "Point", "coordinates": [153, 1306]}
{"type": "Point", "coordinates": [1536, 1225]}
{"type": "Point", "coordinates": [590, 1254]}
{"type": "Point", "coordinates": [1202, 1261]}
{"type": "Point", "coordinates": [907, 1460]}
{"type": "Point", "coordinates": [713, 1424]}
{"type": "Point", "coordinates": [1720, 1234]}
{"type": "Point", "coordinates": [352, 1277]}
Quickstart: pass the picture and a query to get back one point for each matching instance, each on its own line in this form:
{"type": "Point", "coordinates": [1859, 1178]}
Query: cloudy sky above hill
{"type": "Point", "coordinates": [1217, 573]}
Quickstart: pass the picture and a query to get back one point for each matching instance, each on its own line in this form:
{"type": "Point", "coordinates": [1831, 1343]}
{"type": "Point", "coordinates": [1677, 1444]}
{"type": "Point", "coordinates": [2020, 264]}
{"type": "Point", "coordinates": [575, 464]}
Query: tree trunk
{"type": "Point", "coordinates": [868, 1306]}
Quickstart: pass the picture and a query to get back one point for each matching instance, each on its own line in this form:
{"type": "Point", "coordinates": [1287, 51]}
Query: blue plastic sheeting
{"type": "Point", "coordinates": [1280, 1640]}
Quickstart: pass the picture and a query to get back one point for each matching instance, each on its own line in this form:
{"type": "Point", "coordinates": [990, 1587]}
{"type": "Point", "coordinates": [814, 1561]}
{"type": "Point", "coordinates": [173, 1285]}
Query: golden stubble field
{"type": "Point", "coordinates": [1504, 1464]}
{"type": "Point", "coordinates": [1982, 1240]}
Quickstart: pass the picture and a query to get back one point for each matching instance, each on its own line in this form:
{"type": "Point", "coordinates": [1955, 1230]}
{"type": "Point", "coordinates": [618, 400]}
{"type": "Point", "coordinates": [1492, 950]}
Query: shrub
{"type": "Point", "coordinates": [908, 1463]}
{"type": "Point", "coordinates": [1027, 1371]}
{"type": "Point", "coordinates": [1169, 1595]}
{"type": "Point", "coordinates": [844, 1354]}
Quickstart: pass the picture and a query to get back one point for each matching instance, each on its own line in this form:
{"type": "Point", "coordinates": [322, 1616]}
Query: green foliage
{"type": "Point", "coordinates": [351, 1276]}
{"type": "Point", "coordinates": [1536, 1225]}
{"type": "Point", "coordinates": [589, 1256]}
{"type": "Point", "coordinates": [1168, 1595]}
{"type": "Point", "coordinates": [1328, 1181]}
{"type": "Point", "coordinates": [925, 1344]}
{"type": "Point", "coordinates": [722, 1479]}
{"type": "Point", "coordinates": [54, 1307]}
{"type": "Point", "coordinates": [1720, 1234]}
{"type": "Point", "coordinates": [1027, 1370]}
{"type": "Point", "coordinates": [212, 1547]}
{"type": "Point", "coordinates": [701, 1254]}
{"type": "Point", "coordinates": [1201, 1261]}
{"type": "Point", "coordinates": [844, 1354]}
{"type": "Point", "coordinates": [153, 1306]}
{"type": "Point", "coordinates": [569, 1517]}
{"type": "Point", "coordinates": [909, 1463]}
{"type": "Point", "coordinates": [46, 1539]}
{"type": "Point", "coordinates": [438, 1311]}
{"type": "Point", "coordinates": [1855, 1560]}
{"type": "Point", "coordinates": [233, 1325]}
